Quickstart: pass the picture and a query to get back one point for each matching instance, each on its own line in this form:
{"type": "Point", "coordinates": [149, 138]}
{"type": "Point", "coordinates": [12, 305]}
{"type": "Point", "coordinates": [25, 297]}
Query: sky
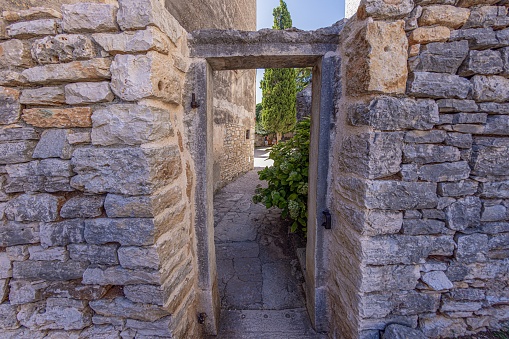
{"type": "Point", "coordinates": [306, 15]}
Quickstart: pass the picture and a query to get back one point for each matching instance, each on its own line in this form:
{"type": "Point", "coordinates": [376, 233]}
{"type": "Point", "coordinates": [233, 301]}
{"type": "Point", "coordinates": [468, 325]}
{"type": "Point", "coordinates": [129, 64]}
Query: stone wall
{"type": "Point", "coordinates": [96, 185]}
{"type": "Point", "coordinates": [419, 177]}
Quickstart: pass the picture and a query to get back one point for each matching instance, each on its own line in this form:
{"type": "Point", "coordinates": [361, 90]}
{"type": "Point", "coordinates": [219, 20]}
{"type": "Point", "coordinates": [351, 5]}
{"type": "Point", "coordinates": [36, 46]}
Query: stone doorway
{"type": "Point", "coordinates": [230, 50]}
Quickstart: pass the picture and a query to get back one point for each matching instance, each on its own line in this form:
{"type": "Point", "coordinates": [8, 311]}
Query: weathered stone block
{"type": "Point", "coordinates": [131, 171]}
{"type": "Point", "coordinates": [88, 70]}
{"type": "Point", "coordinates": [468, 294]}
{"type": "Point", "coordinates": [47, 96]}
{"type": "Point", "coordinates": [53, 144]}
{"type": "Point", "coordinates": [459, 140]}
{"type": "Point", "coordinates": [489, 157]}
{"type": "Point", "coordinates": [133, 231]}
{"type": "Point", "coordinates": [373, 155]}
{"type": "Point", "coordinates": [12, 78]}
{"type": "Point", "coordinates": [438, 85]}
{"type": "Point", "coordinates": [150, 39]}
{"type": "Point", "coordinates": [10, 107]}
{"type": "Point", "coordinates": [17, 253]}
{"type": "Point", "coordinates": [411, 303]}
{"type": "Point", "coordinates": [497, 124]}
{"type": "Point", "coordinates": [455, 105]}
{"type": "Point", "coordinates": [464, 213]}
{"type": "Point", "coordinates": [58, 117]}
{"type": "Point", "coordinates": [8, 319]}
{"type": "Point", "coordinates": [458, 189]}
{"type": "Point", "coordinates": [437, 280]}
{"type": "Point", "coordinates": [56, 313]}
{"type": "Point", "coordinates": [101, 255]}
{"type": "Point", "coordinates": [31, 29]}
{"type": "Point", "coordinates": [48, 254]}
{"type": "Point", "coordinates": [382, 9]}
{"type": "Point", "coordinates": [5, 266]}
{"type": "Point", "coordinates": [423, 137]}
{"type": "Point", "coordinates": [62, 233]}
{"type": "Point", "coordinates": [493, 211]}
{"type": "Point", "coordinates": [423, 226]}
{"type": "Point", "coordinates": [4, 290]}
{"type": "Point", "coordinates": [488, 16]}
{"type": "Point", "coordinates": [122, 307]}
{"type": "Point", "coordinates": [120, 276]}
{"type": "Point", "coordinates": [22, 291]}
{"type": "Point", "coordinates": [425, 35]}
{"type": "Point", "coordinates": [14, 233]}
{"type": "Point", "coordinates": [444, 15]}
{"type": "Point", "coordinates": [79, 138]}
{"type": "Point", "coordinates": [441, 326]}
{"type": "Point", "coordinates": [471, 3]}
{"type": "Point", "coordinates": [3, 30]}
{"type": "Point", "coordinates": [378, 61]}
{"type": "Point", "coordinates": [82, 207]}
{"type": "Point", "coordinates": [49, 270]}
{"type": "Point", "coordinates": [146, 294]}
{"type": "Point", "coordinates": [138, 257]}
{"type": "Point", "coordinates": [15, 53]}
{"type": "Point", "coordinates": [130, 124]}
{"type": "Point", "coordinates": [472, 248]}
{"type": "Point", "coordinates": [389, 113]}
{"type": "Point", "coordinates": [88, 93]}
{"type": "Point", "coordinates": [135, 77]}
{"type": "Point", "coordinates": [504, 52]}
{"type": "Point", "coordinates": [89, 17]}
{"type": "Point", "coordinates": [400, 195]}
{"type": "Point", "coordinates": [33, 13]}
{"type": "Point", "coordinates": [54, 167]}
{"type": "Point", "coordinates": [494, 108]}
{"type": "Point", "coordinates": [482, 62]}
{"type": "Point", "coordinates": [33, 207]}
{"type": "Point", "coordinates": [458, 306]}
{"type": "Point", "coordinates": [440, 57]}
{"type": "Point", "coordinates": [496, 189]}
{"type": "Point", "coordinates": [409, 172]}
{"type": "Point", "coordinates": [396, 331]}
{"type": "Point", "coordinates": [63, 48]}
{"type": "Point", "coordinates": [478, 38]}
{"type": "Point", "coordinates": [429, 153]}
{"type": "Point", "coordinates": [451, 171]}
{"type": "Point", "coordinates": [13, 133]}
{"type": "Point", "coordinates": [389, 278]}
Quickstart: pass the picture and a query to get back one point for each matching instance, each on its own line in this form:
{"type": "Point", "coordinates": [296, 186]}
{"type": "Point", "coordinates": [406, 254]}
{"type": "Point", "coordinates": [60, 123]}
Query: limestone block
{"type": "Point", "coordinates": [471, 3]}
{"type": "Point", "coordinates": [425, 137]}
{"type": "Point", "coordinates": [49, 270]}
{"type": "Point", "coordinates": [58, 117]}
{"type": "Point", "coordinates": [493, 211]}
{"type": "Point", "coordinates": [11, 78]}
{"type": "Point", "coordinates": [62, 233]}
{"type": "Point", "coordinates": [54, 167]}
{"type": "Point", "coordinates": [63, 48]}
{"type": "Point", "coordinates": [53, 144]}
{"type": "Point", "coordinates": [131, 171]}
{"type": "Point", "coordinates": [482, 62]}
{"type": "Point", "coordinates": [139, 14]}
{"type": "Point", "coordinates": [82, 207]}
{"type": "Point", "coordinates": [56, 313]}
{"type": "Point", "coordinates": [464, 213]}
{"type": "Point", "coordinates": [101, 255]}
{"type": "Point", "coordinates": [496, 189]}
{"type": "Point", "coordinates": [5, 266]}
{"type": "Point", "coordinates": [488, 16]}
{"type": "Point", "coordinates": [429, 153]}
{"type": "Point", "coordinates": [383, 9]}
{"type": "Point", "coordinates": [122, 307]}
{"type": "Point", "coordinates": [471, 294]}
{"type": "Point", "coordinates": [17, 253]}
{"type": "Point", "coordinates": [371, 155]}
{"type": "Point", "coordinates": [478, 38]}
{"type": "Point", "coordinates": [138, 257]}
{"type": "Point", "coordinates": [88, 70]}
{"type": "Point", "coordinates": [488, 157]}
{"type": "Point", "coordinates": [33, 207]}
{"type": "Point", "coordinates": [10, 107]}
{"type": "Point", "coordinates": [79, 138]}
{"type": "Point", "coordinates": [438, 85]}
{"type": "Point", "coordinates": [497, 125]}
{"type": "Point", "coordinates": [130, 124]}
{"type": "Point", "coordinates": [33, 13]}
{"type": "Point", "coordinates": [423, 227]}
{"type": "Point", "coordinates": [22, 291]}
{"type": "Point", "coordinates": [504, 52]}
{"type": "Point", "coordinates": [449, 171]}
{"type": "Point", "coordinates": [48, 254]}
{"type": "Point", "coordinates": [444, 15]}
{"type": "Point", "coordinates": [458, 189]}
{"type": "Point", "coordinates": [159, 328]}
{"type": "Point", "coordinates": [4, 290]}
{"type": "Point", "coordinates": [472, 248]}
{"type": "Point", "coordinates": [31, 29]}
{"type": "Point", "coordinates": [16, 132]}
{"type": "Point", "coordinates": [88, 93]}
{"type": "Point", "coordinates": [494, 108]}
{"type": "Point", "coordinates": [146, 294]}
{"type": "Point", "coordinates": [14, 233]}
{"type": "Point", "coordinates": [8, 319]}
{"type": "Point", "coordinates": [89, 17]}
{"type": "Point", "coordinates": [47, 96]}
{"type": "Point", "coordinates": [389, 113]}
{"type": "Point", "coordinates": [127, 232]}
{"type": "Point", "coordinates": [3, 30]}
{"type": "Point", "coordinates": [425, 35]}
{"type": "Point", "coordinates": [378, 59]}
{"type": "Point", "coordinates": [135, 77]}
{"type": "Point", "coordinates": [437, 280]}
{"type": "Point", "coordinates": [396, 331]}
{"type": "Point", "coordinates": [440, 57]}
{"type": "Point", "coordinates": [15, 53]}
{"type": "Point", "coordinates": [120, 276]}
{"type": "Point", "coordinates": [389, 278]}
{"type": "Point", "coordinates": [150, 39]}
{"type": "Point", "coordinates": [455, 105]}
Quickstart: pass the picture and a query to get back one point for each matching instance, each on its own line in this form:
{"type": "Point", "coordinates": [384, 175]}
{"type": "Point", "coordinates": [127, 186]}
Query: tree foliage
{"type": "Point", "coordinates": [288, 177]}
{"type": "Point", "coordinates": [279, 90]}
{"type": "Point", "coordinates": [303, 78]}
{"type": "Point", "coordinates": [258, 120]}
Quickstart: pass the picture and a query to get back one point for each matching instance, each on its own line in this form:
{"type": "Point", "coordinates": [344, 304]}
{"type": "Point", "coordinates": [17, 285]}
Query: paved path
{"type": "Point", "coordinates": [260, 281]}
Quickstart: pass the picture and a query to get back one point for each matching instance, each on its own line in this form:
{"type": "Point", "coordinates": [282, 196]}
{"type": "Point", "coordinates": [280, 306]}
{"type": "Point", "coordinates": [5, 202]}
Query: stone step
{"type": "Point", "coordinates": [267, 324]}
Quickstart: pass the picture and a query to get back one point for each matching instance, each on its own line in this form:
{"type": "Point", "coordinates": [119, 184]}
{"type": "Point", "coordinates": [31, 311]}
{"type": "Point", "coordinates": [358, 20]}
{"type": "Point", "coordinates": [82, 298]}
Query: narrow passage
{"type": "Point", "coordinates": [259, 277]}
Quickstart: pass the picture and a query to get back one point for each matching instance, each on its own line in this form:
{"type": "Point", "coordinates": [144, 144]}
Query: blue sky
{"type": "Point", "coordinates": [306, 15]}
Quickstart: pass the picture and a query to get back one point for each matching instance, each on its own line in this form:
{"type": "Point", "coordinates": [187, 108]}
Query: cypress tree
{"type": "Point", "coordinates": [279, 89]}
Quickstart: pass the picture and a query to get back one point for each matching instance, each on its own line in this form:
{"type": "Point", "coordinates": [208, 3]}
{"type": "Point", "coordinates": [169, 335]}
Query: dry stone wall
{"type": "Point", "coordinates": [96, 228]}
{"type": "Point", "coordinates": [419, 184]}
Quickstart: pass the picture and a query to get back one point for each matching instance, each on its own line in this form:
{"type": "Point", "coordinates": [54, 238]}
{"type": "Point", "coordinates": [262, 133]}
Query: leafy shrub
{"type": "Point", "coordinates": [288, 178]}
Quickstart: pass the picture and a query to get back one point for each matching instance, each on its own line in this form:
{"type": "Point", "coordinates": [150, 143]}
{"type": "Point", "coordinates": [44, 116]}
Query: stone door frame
{"type": "Point", "coordinates": [324, 67]}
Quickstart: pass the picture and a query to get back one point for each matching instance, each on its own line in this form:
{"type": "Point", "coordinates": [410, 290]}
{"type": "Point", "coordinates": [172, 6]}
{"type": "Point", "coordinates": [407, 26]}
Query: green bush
{"type": "Point", "coordinates": [288, 178]}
